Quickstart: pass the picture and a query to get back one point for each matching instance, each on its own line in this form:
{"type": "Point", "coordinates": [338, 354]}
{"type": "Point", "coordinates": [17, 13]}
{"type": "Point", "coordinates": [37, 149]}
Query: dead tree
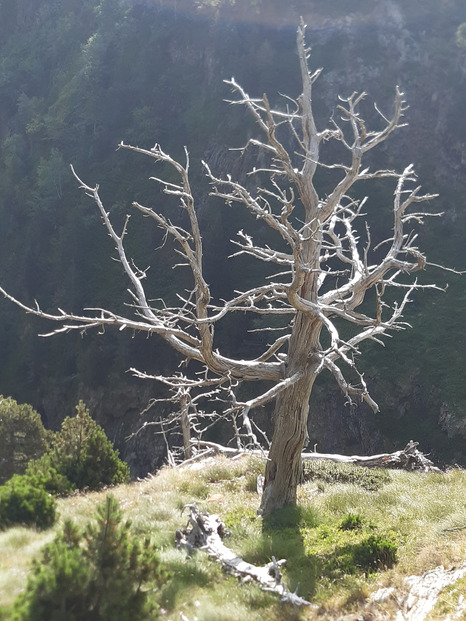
{"type": "Point", "coordinates": [187, 417]}
{"type": "Point", "coordinates": [325, 265]}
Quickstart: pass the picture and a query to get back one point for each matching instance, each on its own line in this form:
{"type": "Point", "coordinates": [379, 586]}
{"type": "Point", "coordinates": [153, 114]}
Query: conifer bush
{"type": "Point", "coordinates": [352, 521]}
{"type": "Point", "coordinates": [22, 502]}
{"type": "Point", "coordinates": [22, 437]}
{"type": "Point", "coordinates": [41, 473]}
{"type": "Point", "coordinates": [83, 454]}
{"type": "Point", "coordinates": [100, 573]}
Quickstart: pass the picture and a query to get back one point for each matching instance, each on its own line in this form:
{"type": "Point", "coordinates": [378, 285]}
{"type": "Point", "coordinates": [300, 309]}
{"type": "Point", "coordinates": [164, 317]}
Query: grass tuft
{"type": "Point", "coordinates": [352, 521]}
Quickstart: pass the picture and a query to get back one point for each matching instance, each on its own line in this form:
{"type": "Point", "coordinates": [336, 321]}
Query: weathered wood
{"type": "Point", "coordinates": [204, 531]}
{"type": "Point", "coordinates": [409, 458]}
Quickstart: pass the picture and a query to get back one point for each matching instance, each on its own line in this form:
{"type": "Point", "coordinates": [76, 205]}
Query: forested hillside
{"type": "Point", "coordinates": [76, 78]}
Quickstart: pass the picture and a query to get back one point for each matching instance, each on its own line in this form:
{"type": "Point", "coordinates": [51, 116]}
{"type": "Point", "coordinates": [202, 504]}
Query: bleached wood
{"type": "Point", "coordinates": [409, 458]}
{"type": "Point", "coordinates": [207, 532]}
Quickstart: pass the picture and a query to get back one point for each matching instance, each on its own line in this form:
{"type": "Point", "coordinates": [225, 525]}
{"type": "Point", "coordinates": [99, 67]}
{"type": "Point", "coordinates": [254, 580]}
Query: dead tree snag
{"type": "Point", "coordinates": [325, 264]}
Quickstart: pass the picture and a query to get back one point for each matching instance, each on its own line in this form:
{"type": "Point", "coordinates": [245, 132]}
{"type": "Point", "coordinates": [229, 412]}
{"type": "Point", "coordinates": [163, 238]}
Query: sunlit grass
{"type": "Point", "coordinates": [18, 546]}
{"type": "Point", "coordinates": [423, 513]}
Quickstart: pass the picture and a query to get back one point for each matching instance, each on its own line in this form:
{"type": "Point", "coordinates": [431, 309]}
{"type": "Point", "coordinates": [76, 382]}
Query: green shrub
{"type": "Point", "coordinates": [376, 552]}
{"type": "Point", "coordinates": [99, 574]}
{"type": "Point", "coordinates": [370, 479]}
{"type": "Point", "coordinates": [83, 454]}
{"type": "Point", "coordinates": [41, 473]}
{"type": "Point", "coordinates": [22, 502]}
{"type": "Point", "coordinates": [369, 554]}
{"type": "Point", "coordinates": [22, 437]}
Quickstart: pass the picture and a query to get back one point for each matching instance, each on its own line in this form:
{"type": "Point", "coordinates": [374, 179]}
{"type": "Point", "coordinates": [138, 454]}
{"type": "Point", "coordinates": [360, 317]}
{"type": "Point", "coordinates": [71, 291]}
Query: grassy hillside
{"type": "Point", "coordinates": [340, 509]}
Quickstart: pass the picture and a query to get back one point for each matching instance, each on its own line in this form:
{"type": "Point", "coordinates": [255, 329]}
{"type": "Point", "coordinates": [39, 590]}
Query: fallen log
{"type": "Point", "coordinates": [205, 532]}
{"type": "Point", "coordinates": [409, 458]}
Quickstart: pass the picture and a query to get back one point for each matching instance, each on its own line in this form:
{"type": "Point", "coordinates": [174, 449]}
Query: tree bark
{"type": "Point", "coordinates": [283, 472]}
{"type": "Point", "coordinates": [284, 468]}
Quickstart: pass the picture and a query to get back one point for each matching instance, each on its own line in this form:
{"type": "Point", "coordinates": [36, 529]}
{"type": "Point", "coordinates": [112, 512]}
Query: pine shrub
{"type": "Point", "coordinates": [101, 573]}
{"type": "Point", "coordinates": [352, 521]}
{"type": "Point", "coordinates": [22, 437]}
{"type": "Point", "coordinates": [22, 502]}
{"type": "Point", "coordinates": [41, 473]}
{"type": "Point", "coordinates": [370, 554]}
{"type": "Point", "coordinates": [83, 454]}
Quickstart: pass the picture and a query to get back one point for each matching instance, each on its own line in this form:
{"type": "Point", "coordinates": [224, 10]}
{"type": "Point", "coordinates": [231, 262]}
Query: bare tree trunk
{"type": "Point", "coordinates": [283, 471]}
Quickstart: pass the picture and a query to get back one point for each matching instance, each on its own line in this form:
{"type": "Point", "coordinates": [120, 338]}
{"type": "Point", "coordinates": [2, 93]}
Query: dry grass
{"type": "Point", "coordinates": [421, 509]}
{"type": "Point", "coordinates": [17, 548]}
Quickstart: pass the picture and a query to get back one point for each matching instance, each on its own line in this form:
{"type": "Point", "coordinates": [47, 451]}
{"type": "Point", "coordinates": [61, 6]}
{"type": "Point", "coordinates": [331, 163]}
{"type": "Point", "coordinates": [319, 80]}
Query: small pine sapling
{"type": "Point", "coordinates": [100, 574]}
{"type": "Point", "coordinates": [84, 455]}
